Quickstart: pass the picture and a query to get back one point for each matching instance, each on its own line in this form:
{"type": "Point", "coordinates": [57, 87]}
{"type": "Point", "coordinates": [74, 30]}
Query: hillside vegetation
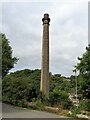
{"type": "Point", "coordinates": [24, 85]}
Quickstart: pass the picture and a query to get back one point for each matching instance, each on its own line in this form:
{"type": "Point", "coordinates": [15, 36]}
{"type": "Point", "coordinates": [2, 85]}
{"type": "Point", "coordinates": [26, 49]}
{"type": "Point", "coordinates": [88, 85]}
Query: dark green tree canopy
{"type": "Point", "coordinates": [7, 60]}
{"type": "Point", "coordinates": [84, 72]}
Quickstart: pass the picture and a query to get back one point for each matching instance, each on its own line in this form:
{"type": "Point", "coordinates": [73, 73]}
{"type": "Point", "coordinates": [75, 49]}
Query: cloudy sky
{"type": "Point", "coordinates": [22, 25]}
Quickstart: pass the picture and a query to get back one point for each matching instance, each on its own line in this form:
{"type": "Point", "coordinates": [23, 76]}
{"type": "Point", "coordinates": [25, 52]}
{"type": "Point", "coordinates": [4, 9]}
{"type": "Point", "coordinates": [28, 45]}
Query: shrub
{"type": "Point", "coordinates": [75, 110]}
{"type": "Point", "coordinates": [18, 87]}
{"type": "Point", "coordinates": [60, 98]}
{"type": "Point", "coordinates": [85, 105]}
{"type": "Point", "coordinates": [40, 105]}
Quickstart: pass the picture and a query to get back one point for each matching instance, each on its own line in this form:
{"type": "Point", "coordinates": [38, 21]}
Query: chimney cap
{"type": "Point", "coordinates": [46, 19]}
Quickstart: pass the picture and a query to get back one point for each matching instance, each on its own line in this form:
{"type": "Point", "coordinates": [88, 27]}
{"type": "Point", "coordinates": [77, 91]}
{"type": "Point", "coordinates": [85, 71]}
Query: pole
{"type": "Point", "coordinates": [76, 84]}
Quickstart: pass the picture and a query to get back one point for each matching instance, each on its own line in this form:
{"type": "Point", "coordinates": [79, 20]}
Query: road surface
{"type": "Point", "coordinates": [9, 111]}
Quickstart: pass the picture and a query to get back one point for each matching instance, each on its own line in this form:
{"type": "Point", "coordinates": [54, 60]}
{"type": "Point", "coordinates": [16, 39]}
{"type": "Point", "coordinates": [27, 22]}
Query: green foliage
{"type": "Point", "coordinates": [75, 110]}
{"type": "Point", "coordinates": [60, 98]}
{"type": "Point", "coordinates": [7, 60]}
{"type": "Point", "coordinates": [40, 105]}
{"type": "Point", "coordinates": [21, 85]}
{"type": "Point", "coordinates": [82, 108]}
{"type": "Point", "coordinates": [61, 83]}
{"type": "Point", "coordinates": [24, 85]}
{"type": "Point", "coordinates": [84, 77]}
{"type": "Point", "coordinates": [0, 89]}
{"type": "Point", "coordinates": [85, 105]}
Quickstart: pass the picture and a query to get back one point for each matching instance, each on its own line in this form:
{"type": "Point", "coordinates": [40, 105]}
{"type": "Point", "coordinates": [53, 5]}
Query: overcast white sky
{"type": "Point", "coordinates": [22, 25]}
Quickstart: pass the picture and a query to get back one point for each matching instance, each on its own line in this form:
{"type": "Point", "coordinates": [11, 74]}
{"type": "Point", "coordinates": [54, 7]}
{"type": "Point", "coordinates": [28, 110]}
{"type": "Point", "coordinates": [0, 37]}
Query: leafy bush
{"type": "Point", "coordinates": [60, 98]}
{"type": "Point", "coordinates": [21, 85]}
{"type": "Point", "coordinates": [75, 110]}
{"type": "Point", "coordinates": [85, 105]}
{"type": "Point", "coordinates": [40, 105]}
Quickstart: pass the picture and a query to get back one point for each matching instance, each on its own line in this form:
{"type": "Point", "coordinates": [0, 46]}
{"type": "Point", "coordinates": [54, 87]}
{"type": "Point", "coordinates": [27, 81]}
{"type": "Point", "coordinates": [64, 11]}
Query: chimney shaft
{"type": "Point", "coordinates": [44, 86]}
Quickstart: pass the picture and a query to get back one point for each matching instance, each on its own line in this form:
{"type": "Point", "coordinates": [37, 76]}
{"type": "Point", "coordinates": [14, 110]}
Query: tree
{"type": "Point", "coordinates": [21, 85]}
{"type": "Point", "coordinates": [7, 60]}
{"type": "Point", "coordinates": [84, 73]}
